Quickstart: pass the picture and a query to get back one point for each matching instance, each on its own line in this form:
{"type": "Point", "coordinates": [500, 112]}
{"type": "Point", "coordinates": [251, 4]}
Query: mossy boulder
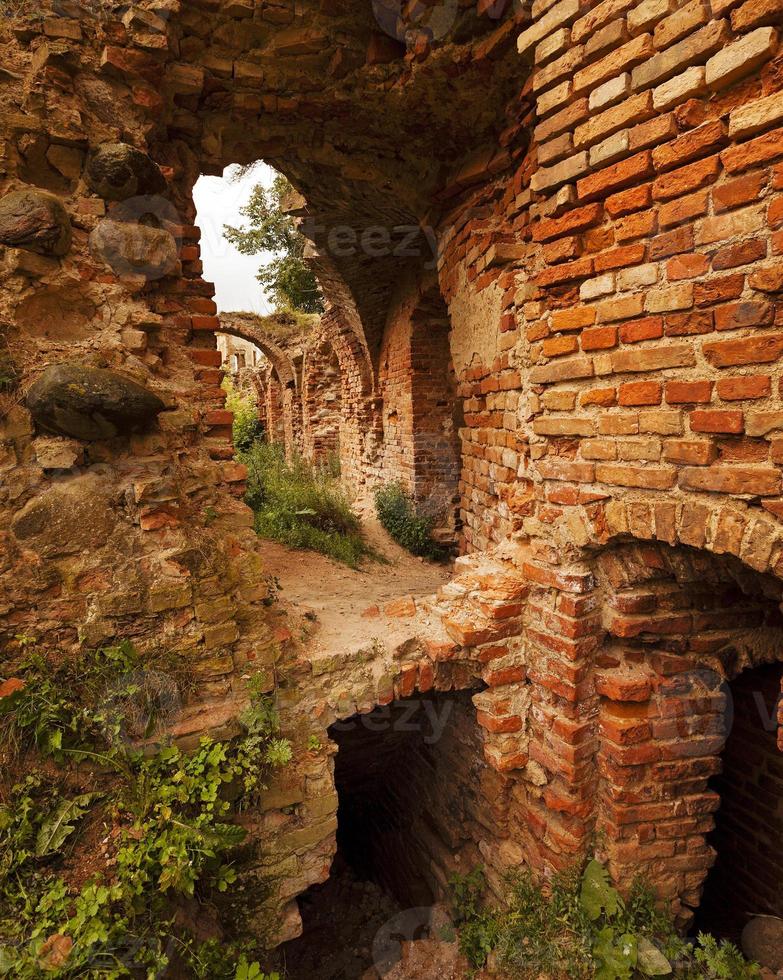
{"type": "Point", "coordinates": [90, 403]}
{"type": "Point", "coordinates": [35, 221]}
{"type": "Point", "coordinates": [117, 171]}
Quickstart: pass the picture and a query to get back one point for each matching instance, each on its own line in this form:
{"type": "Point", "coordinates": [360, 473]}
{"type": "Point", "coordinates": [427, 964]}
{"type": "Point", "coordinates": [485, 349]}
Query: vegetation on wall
{"type": "Point", "coordinates": [581, 927]}
{"type": "Point", "coordinates": [410, 528]}
{"type": "Point", "coordinates": [289, 280]}
{"type": "Point", "coordinates": [109, 854]}
{"type": "Point", "coordinates": [246, 426]}
{"type": "Point", "coordinates": [301, 506]}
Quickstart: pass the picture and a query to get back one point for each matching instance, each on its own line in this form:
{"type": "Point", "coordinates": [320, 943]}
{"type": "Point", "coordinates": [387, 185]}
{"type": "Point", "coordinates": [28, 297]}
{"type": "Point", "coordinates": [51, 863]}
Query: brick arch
{"type": "Point", "coordinates": [358, 429]}
{"type": "Point", "coordinates": [722, 526]}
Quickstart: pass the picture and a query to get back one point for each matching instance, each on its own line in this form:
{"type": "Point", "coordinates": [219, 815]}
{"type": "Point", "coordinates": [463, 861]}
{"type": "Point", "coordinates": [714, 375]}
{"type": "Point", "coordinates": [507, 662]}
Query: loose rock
{"type": "Point", "coordinates": [134, 249]}
{"type": "Point", "coordinates": [118, 171]}
{"type": "Point", "coordinates": [90, 403]}
{"type": "Point", "coordinates": [762, 941]}
{"type": "Point", "coordinates": [34, 221]}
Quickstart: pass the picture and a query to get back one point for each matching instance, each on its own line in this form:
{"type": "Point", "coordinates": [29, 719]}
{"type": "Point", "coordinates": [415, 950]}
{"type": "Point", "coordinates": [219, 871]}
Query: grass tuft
{"type": "Point", "coordinates": [300, 506]}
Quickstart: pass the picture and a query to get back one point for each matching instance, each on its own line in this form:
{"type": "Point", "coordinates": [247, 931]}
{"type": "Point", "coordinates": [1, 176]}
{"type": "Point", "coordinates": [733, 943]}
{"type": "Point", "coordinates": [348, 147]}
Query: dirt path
{"type": "Point", "coordinates": [349, 606]}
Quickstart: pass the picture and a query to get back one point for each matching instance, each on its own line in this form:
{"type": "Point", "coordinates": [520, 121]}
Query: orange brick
{"type": "Point", "coordinates": [567, 272]}
{"type": "Point", "coordinates": [556, 346]}
{"type": "Point", "coordinates": [576, 220]}
{"type": "Point", "coordinates": [685, 392]}
{"type": "Point", "coordinates": [648, 329]}
{"type": "Point", "coordinates": [672, 242]}
{"type": "Point", "coordinates": [619, 258]}
{"type": "Point", "coordinates": [636, 225]}
{"type": "Point", "coordinates": [690, 146]}
{"type": "Point", "coordinates": [561, 250]}
{"type": "Point", "coordinates": [640, 393]}
{"type": "Point", "coordinates": [742, 253]}
{"type": "Point", "coordinates": [573, 319]}
{"type": "Point", "coordinates": [775, 213]}
{"type": "Point", "coordinates": [599, 338]}
{"type": "Point", "coordinates": [616, 177]}
{"type": "Point", "coordinates": [716, 420]}
{"type": "Point", "coordinates": [749, 350]}
{"type": "Point", "coordinates": [686, 266]}
{"type": "Point", "coordinates": [737, 389]}
{"type": "Point", "coordinates": [626, 202]}
{"type": "Point", "coordinates": [694, 452]}
{"type": "Point", "coordinates": [598, 396]}
{"type": "Point", "coordinates": [749, 313]}
{"type": "Point", "coordinates": [689, 324]}
{"type": "Point", "coordinates": [718, 290]}
{"type": "Point", "coordinates": [686, 179]}
{"type": "Point", "coordinates": [683, 209]}
{"type": "Point", "coordinates": [737, 192]}
{"type": "Point", "coordinates": [767, 147]}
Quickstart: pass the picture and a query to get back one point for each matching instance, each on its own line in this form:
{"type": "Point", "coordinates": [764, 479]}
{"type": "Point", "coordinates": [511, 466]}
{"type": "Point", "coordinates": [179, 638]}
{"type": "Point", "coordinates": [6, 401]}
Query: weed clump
{"type": "Point", "coordinates": [301, 506]}
{"type": "Point", "coordinates": [398, 513]}
{"type": "Point", "coordinates": [582, 928]}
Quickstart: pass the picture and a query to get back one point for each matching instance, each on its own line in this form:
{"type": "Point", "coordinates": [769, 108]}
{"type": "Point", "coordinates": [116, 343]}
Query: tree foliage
{"type": "Point", "coordinates": [287, 277]}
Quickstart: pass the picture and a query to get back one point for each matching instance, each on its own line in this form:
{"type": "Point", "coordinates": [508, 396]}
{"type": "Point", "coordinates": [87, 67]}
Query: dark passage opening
{"type": "Point", "coordinates": [747, 877]}
{"type": "Point", "coordinates": [407, 778]}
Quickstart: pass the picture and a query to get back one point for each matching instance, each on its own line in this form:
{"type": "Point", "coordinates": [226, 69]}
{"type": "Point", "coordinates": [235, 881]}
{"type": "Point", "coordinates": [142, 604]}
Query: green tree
{"type": "Point", "coordinates": [287, 277]}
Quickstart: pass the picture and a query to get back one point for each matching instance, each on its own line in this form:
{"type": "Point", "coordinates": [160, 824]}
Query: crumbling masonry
{"type": "Point", "coordinates": [551, 243]}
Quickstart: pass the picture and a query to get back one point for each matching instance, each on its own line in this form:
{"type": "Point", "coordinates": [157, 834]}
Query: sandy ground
{"type": "Point", "coordinates": [346, 605]}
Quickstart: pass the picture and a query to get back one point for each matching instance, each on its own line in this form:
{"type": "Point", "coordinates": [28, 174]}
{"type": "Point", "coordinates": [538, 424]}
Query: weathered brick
{"type": "Point", "coordinates": [767, 147]}
{"type": "Point", "coordinates": [691, 146]}
{"type": "Point", "coordinates": [677, 297]}
{"type": "Point", "coordinates": [650, 328]}
{"type": "Point", "coordinates": [681, 23]}
{"type": "Point", "coordinates": [686, 266]}
{"type": "Point", "coordinates": [601, 14]}
{"type": "Point", "coordinates": [671, 242]}
{"type": "Point", "coordinates": [680, 88]}
{"type": "Point", "coordinates": [548, 178]}
{"type": "Point", "coordinates": [573, 318]}
{"type": "Point", "coordinates": [657, 130]}
{"type": "Point", "coordinates": [654, 358]}
{"type": "Point", "coordinates": [638, 49]}
{"type": "Point", "coordinates": [614, 178]}
{"type": "Point", "coordinates": [752, 118]}
{"type": "Point", "coordinates": [762, 423]}
{"type": "Point", "coordinates": [647, 14]}
{"type": "Point", "coordinates": [748, 350]}
{"type": "Point", "coordinates": [552, 46]}
{"type": "Point", "coordinates": [683, 209]}
{"type": "Point", "coordinates": [553, 99]}
{"type": "Point", "coordinates": [689, 324]}
{"type": "Point", "coordinates": [685, 392]}
{"type": "Point", "coordinates": [741, 58]}
{"type": "Point", "coordinates": [610, 92]}
{"type": "Point", "coordinates": [696, 48]}
{"type": "Point", "coordinates": [694, 452]}
{"type": "Point", "coordinates": [676, 183]}
{"type": "Point", "coordinates": [640, 393]}
{"type": "Point", "coordinates": [599, 338]}
{"type": "Point", "coordinates": [561, 121]}
{"type": "Point", "coordinates": [759, 481]}
{"type": "Point", "coordinates": [716, 420]}
{"type": "Point", "coordinates": [643, 477]}
{"type": "Point", "coordinates": [749, 313]}
{"type": "Point", "coordinates": [635, 109]}
{"type": "Point", "coordinates": [755, 13]}
{"type": "Point", "coordinates": [576, 220]}
{"type": "Point", "coordinates": [626, 202]}
{"type": "Point", "coordinates": [738, 389]}
{"type": "Point", "coordinates": [562, 13]}
{"type": "Point", "coordinates": [731, 225]}
{"type": "Point", "coordinates": [741, 253]}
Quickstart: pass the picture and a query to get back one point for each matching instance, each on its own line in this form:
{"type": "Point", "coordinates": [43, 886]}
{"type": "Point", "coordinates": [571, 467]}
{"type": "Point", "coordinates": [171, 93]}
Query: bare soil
{"type": "Point", "coordinates": [346, 606]}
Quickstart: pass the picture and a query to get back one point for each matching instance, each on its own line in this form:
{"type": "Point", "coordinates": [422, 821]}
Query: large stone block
{"type": "Point", "coordinates": [35, 221]}
{"type": "Point", "coordinates": [117, 171]}
{"type": "Point", "coordinates": [90, 403]}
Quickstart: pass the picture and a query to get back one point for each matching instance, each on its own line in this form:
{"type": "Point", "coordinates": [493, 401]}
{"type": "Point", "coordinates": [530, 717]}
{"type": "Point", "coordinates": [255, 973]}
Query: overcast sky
{"type": "Point", "coordinates": [218, 200]}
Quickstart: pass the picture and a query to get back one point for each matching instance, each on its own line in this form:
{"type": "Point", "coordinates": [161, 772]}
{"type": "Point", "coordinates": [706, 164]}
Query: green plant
{"type": "Point", "coordinates": [246, 427]}
{"type": "Point", "coordinates": [397, 512]}
{"type": "Point", "coordinates": [287, 277]}
{"type": "Point", "coordinates": [582, 928]}
{"type": "Point", "coordinates": [301, 507]}
{"type": "Point", "coordinates": [313, 743]}
{"type": "Point", "coordinates": [169, 816]}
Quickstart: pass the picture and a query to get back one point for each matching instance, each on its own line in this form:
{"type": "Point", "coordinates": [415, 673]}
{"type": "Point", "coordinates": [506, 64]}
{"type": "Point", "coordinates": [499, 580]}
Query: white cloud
{"type": "Point", "coordinates": [218, 201]}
